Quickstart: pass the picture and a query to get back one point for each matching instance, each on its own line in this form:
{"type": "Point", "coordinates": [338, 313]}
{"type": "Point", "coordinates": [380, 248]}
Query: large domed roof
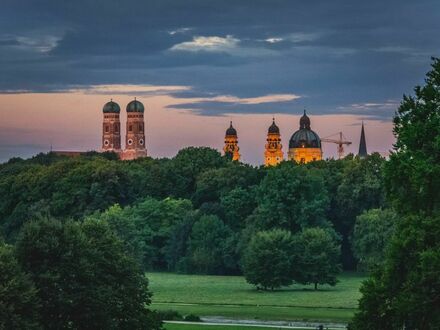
{"type": "Point", "coordinates": [111, 107]}
{"type": "Point", "coordinates": [231, 130]}
{"type": "Point", "coordinates": [304, 137]}
{"type": "Point", "coordinates": [135, 106]}
{"type": "Point", "coordinates": [273, 129]}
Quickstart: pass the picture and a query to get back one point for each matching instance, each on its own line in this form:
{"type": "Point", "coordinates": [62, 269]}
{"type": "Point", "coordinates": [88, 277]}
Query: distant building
{"type": "Point", "coordinates": [231, 148]}
{"type": "Point", "coordinates": [135, 130]}
{"type": "Point", "coordinates": [273, 153]}
{"type": "Point", "coordinates": [305, 144]}
{"type": "Point", "coordinates": [362, 144]}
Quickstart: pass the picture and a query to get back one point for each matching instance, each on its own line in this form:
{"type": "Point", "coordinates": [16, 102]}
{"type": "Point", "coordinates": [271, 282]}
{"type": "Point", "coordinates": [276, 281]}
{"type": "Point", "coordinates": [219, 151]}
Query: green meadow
{"type": "Point", "coordinates": [232, 297]}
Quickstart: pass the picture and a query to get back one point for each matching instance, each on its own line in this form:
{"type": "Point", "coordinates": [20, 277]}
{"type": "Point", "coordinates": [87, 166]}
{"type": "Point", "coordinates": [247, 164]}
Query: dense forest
{"type": "Point", "coordinates": [196, 212]}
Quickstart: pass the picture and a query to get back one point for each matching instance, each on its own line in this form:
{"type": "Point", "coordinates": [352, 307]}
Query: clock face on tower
{"type": "Point", "coordinates": [130, 142]}
{"type": "Point", "coordinates": [106, 142]}
{"type": "Point", "coordinates": [141, 142]}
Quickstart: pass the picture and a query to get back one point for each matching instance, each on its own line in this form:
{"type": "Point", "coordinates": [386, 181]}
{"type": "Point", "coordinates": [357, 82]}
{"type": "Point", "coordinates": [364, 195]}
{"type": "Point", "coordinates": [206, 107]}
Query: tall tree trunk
{"type": "Point", "coordinates": [316, 286]}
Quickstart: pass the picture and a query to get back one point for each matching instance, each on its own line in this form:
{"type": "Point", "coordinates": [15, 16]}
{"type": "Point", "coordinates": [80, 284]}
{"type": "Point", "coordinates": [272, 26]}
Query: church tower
{"type": "Point", "coordinates": [111, 127]}
{"type": "Point", "coordinates": [305, 144]}
{"type": "Point", "coordinates": [273, 153]}
{"type": "Point", "coordinates": [135, 133]}
{"type": "Point", "coordinates": [362, 144]}
{"type": "Point", "coordinates": [231, 148]}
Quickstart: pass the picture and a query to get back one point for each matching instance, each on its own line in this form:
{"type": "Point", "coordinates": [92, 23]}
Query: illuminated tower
{"type": "Point", "coordinates": [135, 133]}
{"type": "Point", "coordinates": [273, 153]}
{"type": "Point", "coordinates": [231, 148]}
{"type": "Point", "coordinates": [362, 144]}
{"type": "Point", "coordinates": [305, 144]}
{"type": "Point", "coordinates": [111, 127]}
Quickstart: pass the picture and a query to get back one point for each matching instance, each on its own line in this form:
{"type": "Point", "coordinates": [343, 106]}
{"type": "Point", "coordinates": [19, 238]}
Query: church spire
{"type": "Point", "coordinates": [362, 144]}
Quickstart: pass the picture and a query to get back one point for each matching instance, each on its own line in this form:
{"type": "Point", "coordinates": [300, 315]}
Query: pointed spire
{"type": "Point", "coordinates": [362, 144]}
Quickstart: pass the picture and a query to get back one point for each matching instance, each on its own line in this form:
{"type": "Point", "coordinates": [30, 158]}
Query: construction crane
{"type": "Point", "coordinates": [340, 142]}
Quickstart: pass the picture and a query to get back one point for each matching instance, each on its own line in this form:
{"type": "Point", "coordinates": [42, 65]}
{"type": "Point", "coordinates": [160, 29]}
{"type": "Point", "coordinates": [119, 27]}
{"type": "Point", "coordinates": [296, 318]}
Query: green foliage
{"type": "Point", "coordinates": [317, 255]}
{"type": "Point", "coordinates": [208, 245]}
{"type": "Point", "coordinates": [18, 296]}
{"type": "Point", "coordinates": [405, 292]}
{"type": "Point", "coordinates": [83, 276]}
{"type": "Point", "coordinates": [188, 164]}
{"type": "Point", "coordinates": [371, 236]}
{"type": "Point", "coordinates": [291, 197]}
{"type": "Point", "coordinates": [267, 261]}
{"type": "Point", "coordinates": [360, 188]}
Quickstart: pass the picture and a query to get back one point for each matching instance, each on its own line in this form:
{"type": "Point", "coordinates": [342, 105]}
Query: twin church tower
{"type": "Point", "coordinates": [304, 145]}
{"type": "Point", "coordinates": [135, 130]}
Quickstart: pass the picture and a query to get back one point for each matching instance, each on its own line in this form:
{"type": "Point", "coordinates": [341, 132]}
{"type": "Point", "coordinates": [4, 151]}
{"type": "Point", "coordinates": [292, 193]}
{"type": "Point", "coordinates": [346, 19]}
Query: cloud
{"type": "Point", "coordinates": [130, 90]}
{"type": "Point", "coordinates": [224, 104]}
{"type": "Point", "coordinates": [336, 54]}
{"type": "Point", "coordinates": [208, 44]}
{"type": "Point", "coordinates": [251, 100]}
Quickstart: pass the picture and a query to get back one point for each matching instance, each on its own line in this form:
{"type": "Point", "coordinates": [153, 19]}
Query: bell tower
{"type": "Point", "coordinates": [111, 127]}
{"type": "Point", "coordinates": [135, 132]}
{"type": "Point", "coordinates": [273, 154]}
{"type": "Point", "coordinates": [231, 148]}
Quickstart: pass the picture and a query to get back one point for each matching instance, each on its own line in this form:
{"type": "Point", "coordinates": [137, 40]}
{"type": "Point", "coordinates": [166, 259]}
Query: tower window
{"type": "Point", "coordinates": [106, 128]}
{"type": "Point", "coordinates": [130, 128]}
{"type": "Point", "coordinates": [116, 128]}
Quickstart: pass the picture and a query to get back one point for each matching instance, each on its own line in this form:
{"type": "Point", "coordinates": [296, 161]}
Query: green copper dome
{"type": "Point", "coordinates": [274, 129]}
{"type": "Point", "coordinates": [231, 131]}
{"type": "Point", "coordinates": [111, 107]}
{"type": "Point", "coordinates": [304, 137]}
{"type": "Point", "coordinates": [135, 106]}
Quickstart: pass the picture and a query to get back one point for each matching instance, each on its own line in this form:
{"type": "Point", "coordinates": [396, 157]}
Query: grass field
{"type": "Point", "coordinates": [232, 297]}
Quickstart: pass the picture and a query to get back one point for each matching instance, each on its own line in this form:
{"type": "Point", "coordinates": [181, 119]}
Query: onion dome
{"type": "Point", "coordinates": [111, 107]}
{"type": "Point", "coordinates": [273, 129]}
{"type": "Point", "coordinates": [304, 122]}
{"type": "Point", "coordinates": [304, 137]}
{"type": "Point", "coordinates": [231, 130]}
{"type": "Point", "coordinates": [135, 106]}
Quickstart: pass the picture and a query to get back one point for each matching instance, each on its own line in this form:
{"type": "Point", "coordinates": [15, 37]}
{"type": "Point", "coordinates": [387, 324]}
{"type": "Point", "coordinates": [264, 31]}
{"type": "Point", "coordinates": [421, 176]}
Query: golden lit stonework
{"type": "Point", "coordinates": [305, 144]}
{"type": "Point", "coordinates": [231, 148]}
{"type": "Point", "coordinates": [273, 153]}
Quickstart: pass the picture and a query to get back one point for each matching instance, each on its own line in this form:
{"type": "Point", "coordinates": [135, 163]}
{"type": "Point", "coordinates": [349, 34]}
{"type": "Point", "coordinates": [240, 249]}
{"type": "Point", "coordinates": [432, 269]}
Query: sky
{"type": "Point", "coordinates": [197, 64]}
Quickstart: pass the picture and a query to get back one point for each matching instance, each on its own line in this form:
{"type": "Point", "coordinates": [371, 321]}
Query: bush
{"type": "Point", "coordinates": [192, 318]}
{"type": "Point", "coordinates": [169, 315]}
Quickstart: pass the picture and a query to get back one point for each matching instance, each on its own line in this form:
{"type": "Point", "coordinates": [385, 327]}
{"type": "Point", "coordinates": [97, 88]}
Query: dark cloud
{"type": "Point", "coordinates": [333, 53]}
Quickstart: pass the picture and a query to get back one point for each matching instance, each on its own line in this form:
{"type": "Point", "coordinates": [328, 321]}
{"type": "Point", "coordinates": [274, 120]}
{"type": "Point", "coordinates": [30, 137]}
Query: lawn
{"type": "Point", "coordinates": [232, 297]}
{"type": "Point", "coordinates": [169, 326]}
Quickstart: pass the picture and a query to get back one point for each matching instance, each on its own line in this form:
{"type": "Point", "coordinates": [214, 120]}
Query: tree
{"type": "Point", "coordinates": [207, 245]}
{"type": "Point", "coordinates": [317, 257]}
{"type": "Point", "coordinates": [123, 225]}
{"type": "Point", "coordinates": [361, 188]}
{"type": "Point", "coordinates": [267, 261]}
{"type": "Point", "coordinates": [19, 304]}
{"type": "Point", "coordinates": [188, 164]}
{"type": "Point", "coordinates": [405, 292]}
{"type": "Point", "coordinates": [237, 205]}
{"type": "Point", "coordinates": [371, 236]}
{"type": "Point", "coordinates": [84, 277]}
{"type": "Point", "coordinates": [291, 197]}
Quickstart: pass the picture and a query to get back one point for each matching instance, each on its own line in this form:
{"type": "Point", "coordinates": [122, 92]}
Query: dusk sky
{"type": "Point", "coordinates": [196, 65]}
